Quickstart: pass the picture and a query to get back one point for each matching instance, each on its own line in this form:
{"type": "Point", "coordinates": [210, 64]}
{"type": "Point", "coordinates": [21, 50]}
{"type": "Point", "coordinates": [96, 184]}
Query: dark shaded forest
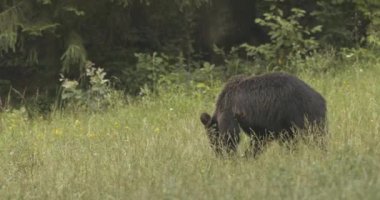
{"type": "Point", "coordinates": [41, 39]}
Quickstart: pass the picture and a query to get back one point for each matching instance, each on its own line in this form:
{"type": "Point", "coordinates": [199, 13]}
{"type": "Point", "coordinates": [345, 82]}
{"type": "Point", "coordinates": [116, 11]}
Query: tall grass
{"type": "Point", "coordinates": [156, 148]}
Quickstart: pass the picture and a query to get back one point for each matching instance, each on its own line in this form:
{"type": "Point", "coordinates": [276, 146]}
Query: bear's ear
{"type": "Point", "coordinates": [205, 118]}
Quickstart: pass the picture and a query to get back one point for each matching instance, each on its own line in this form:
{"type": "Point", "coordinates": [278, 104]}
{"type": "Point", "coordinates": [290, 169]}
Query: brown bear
{"type": "Point", "coordinates": [266, 107]}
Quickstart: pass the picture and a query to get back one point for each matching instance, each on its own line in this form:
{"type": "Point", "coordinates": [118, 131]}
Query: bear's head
{"type": "Point", "coordinates": [212, 130]}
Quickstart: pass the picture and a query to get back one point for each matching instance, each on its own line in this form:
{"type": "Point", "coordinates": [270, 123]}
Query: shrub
{"type": "Point", "coordinates": [289, 39]}
{"type": "Point", "coordinates": [98, 94]}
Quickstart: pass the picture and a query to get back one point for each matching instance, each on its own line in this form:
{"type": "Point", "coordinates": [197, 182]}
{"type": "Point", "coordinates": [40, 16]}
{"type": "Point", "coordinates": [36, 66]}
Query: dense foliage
{"type": "Point", "coordinates": [39, 39]}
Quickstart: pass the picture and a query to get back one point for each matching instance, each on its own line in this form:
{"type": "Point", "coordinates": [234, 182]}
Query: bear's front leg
{"type": "Point", "coordinates": [229, 132]}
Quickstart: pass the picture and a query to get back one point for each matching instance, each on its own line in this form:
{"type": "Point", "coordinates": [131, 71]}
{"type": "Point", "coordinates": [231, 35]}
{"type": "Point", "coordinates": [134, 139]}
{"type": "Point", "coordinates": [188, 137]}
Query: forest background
{"type": "Point", "coordinates": [142, 43]}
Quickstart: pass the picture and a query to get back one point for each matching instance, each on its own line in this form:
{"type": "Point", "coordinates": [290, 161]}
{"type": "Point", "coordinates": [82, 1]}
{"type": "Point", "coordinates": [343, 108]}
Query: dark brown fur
{"type": "Point", "coordinates": [265, 107]}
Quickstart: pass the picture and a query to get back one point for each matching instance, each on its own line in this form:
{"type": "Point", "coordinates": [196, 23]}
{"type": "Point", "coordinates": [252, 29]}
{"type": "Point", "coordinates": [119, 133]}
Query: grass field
{"type": "Point", "coordinates": [156, 148]}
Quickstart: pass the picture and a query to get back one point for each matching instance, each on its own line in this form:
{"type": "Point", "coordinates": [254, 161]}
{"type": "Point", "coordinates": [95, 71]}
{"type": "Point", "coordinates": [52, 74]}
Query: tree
{"type": "Point", "coordinates": [41, 38]}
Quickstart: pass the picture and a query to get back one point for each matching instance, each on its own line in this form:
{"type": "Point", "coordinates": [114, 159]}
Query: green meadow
{"type": "Point", "coordinates": [155, 147]}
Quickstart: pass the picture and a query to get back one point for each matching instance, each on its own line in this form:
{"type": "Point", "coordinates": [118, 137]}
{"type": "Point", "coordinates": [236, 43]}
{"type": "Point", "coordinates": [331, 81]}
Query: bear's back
{"type": "Point", "coordinates": [275, 94]}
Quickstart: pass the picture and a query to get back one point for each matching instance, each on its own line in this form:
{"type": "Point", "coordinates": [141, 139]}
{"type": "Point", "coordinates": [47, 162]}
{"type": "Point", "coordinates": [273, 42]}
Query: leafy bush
{"type": "Point", "coordinates": [289, 39]}
{"type": "Point", "coordinates": [161, 71]}
{"type": "Point", "coordinates": [98, 95]}
{"type": "Point", "coordinates": [344, 22]}
{"type": "Point", "coordinates": [234, 63]}
{"type": "Point", "coordinates": [147, 71]}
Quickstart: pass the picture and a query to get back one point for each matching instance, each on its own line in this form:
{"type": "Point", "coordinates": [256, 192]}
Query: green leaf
{"type": "Point", "coordinates": [44, 2]}
{"type": "Point", "coordinates": [74, 10]}
{"type": "Point", "coordinates": [36, 29]}
{"type": "Point", "coordinates": [316, 29]}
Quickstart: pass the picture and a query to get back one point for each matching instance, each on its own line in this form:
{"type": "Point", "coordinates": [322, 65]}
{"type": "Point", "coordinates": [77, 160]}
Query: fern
{"type": "Point", "coordinates": [9, 20]}
{"type": "Point", "coordinates": [37, 28]}
{"type": "Point", "coordinates": [8, 41]}
{"type": "Point", "coordinates": [75, 54]}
